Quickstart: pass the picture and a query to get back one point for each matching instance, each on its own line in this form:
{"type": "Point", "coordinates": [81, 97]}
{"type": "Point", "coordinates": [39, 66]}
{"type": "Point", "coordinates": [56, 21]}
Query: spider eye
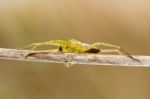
{"type": "Point", "coordinates": [93, 50]}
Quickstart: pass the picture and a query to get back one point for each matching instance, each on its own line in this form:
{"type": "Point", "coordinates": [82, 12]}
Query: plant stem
{"type": "Point", "coordinates": [73, 58]}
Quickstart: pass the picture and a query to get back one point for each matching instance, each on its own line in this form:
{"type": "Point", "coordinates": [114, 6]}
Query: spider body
{"type": "Point", "coordinates": [92, 50]}
{"type": "Point", "coordinates": [74, 46]}
{"type": "Point", "coordinates": [69, 46]}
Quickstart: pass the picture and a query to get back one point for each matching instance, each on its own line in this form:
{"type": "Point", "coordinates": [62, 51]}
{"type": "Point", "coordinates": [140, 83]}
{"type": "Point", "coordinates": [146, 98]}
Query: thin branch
{"type": "Point", "coordinates": [73, 58]}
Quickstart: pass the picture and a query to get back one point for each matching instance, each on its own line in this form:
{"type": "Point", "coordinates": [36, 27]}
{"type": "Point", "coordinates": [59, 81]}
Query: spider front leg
{"type": "Point", "coordinates": [42, 52]}
{"type": "Point", "coordinates": [49, 43]}
{"type": "Point", "coordinates": [34, 45]}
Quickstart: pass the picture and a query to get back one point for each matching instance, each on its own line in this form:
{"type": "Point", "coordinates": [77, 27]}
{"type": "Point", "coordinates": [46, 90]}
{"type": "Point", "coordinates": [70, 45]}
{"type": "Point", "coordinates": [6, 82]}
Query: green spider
{"type": "Point", "coordinates": [74, 46]}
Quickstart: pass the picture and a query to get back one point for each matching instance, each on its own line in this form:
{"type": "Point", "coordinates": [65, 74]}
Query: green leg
{"type": "Point", "coordinates": [106, 45]}
{"type": "Point", "coordinates": [119, 51]}
{"type": "Point", "coordinates": [35, 45]}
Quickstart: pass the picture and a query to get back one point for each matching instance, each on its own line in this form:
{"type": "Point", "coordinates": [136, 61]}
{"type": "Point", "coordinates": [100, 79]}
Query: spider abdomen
{"type": "Point", "coordinates": [92, 50]}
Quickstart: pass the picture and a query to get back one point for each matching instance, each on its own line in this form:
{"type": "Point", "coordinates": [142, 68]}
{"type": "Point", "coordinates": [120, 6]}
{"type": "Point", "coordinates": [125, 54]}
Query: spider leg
{"type": "Point", "coordinates": [32, 46]}
{"type": "Point", "coordinates": [31, 53]}
{"type": "Point", "coordinates": [57, 43]}
{"type": "Point", "coordinates": [106, 45]}
{"type": "Point", "coordinates": [111, 51]}
{"type": "Point", "coordinates": [119, 51]}
{"type": "Point", "coordinates": [103, 44]}
{"type": "Point", "coordinates": [35, 45]}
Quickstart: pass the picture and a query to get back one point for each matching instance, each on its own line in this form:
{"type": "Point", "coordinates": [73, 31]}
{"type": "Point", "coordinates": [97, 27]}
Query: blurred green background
{"type": "Point", "coordinates": [122, 22]}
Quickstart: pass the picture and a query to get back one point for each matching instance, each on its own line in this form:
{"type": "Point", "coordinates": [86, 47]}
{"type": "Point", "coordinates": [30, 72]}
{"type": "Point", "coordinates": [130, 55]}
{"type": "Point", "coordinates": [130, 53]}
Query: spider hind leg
{"type": "Point", "coordinates": [116, 49]}
{"type": "Point", "coordinates": [120, 52]}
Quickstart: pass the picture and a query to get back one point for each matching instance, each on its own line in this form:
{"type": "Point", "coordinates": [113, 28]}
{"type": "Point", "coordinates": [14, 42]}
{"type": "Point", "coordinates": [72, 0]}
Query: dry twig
{"type": "Point", "coordinates": [73, 58]}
